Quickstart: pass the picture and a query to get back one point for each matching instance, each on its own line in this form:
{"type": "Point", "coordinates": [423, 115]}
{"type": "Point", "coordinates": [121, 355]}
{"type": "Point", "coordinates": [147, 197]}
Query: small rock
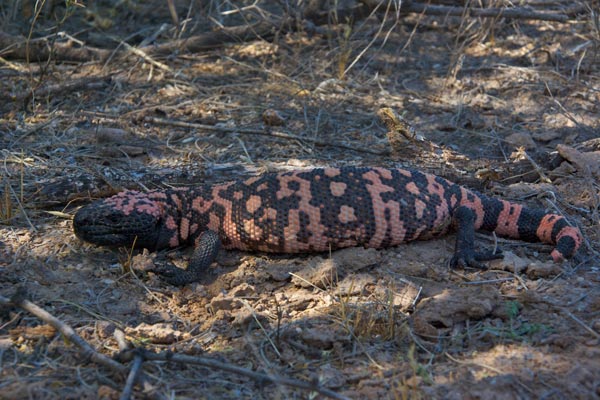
{"type": "Point", "coordinates": [278, 272]}
{"type": "Point", "coordinates": [423, 328]}
{"type": "Point", "coordinates": [585, 162]}
{"type": "Point", "coordinates": [523, 189]}
{"type": "Point", "coordinates": [543, 270]}
{"type": "Point", "coordinates": [272, 117]}
{"type": "Point", "coordinates": [323, 338]}
{"type": "Point", "coordinates": [299, 301]}
{"type": "Point", "coordinates": [105, 329]}
{"type": "Point", "coordinates": [521, 139]}
{"type": "Point", "coordinates": [557, 121]}
{"type": "Point", "coordinates": [510, 262]}
{"type": "Point", "coordinates": [104, 134]}
{"type": "Point", "coordinates": [243, 290]}
{"type": "Point", "coordinates": [161, 333]}
{"type": "Point", "coordinates": [229, 258]}
{"type": "Point", "coordinates": [564, 169]}
{"type": "Point", "coordinates": [356, 258]}
{"type": "Point", "coordinates": [355, 284]}
{"type": "Point", "coordinates": [331, 377]}
{"type": "Point", "coordinates": [220, 302]}
{"type": "Point", "coordinates": [453, 306]}
{"type": "Point", "coordinates": [246, 319]}
{"type": "Point", "coordinates": [143, 261]}
{"type": "Point", "coordinates": [402, 294]}
{"type": "Point", "coordinates": [107, 393]}
{"type": "Point", "coordinates": [560, 341]}
{"type": "Point", "coordinates": [546, 135]}
{"type": "Point", "coordinates": [331, 85]}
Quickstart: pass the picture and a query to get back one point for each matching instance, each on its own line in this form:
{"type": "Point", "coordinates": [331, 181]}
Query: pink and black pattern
{"type": "Point", "coordinates": [315, 210]}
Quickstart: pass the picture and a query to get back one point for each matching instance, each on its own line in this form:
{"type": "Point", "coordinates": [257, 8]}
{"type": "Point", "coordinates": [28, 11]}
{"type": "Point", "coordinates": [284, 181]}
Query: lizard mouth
{"type": "Point", "coordinates": [100, 235]}
{"type": "Point", "coordinates": [100, 227]}
{"type": "Point", "coordinates": [93, 231]}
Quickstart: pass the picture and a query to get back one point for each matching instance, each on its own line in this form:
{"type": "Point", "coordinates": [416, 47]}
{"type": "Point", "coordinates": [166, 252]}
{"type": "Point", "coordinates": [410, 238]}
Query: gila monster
{"type": "Point", "coordinates": [314, 210]}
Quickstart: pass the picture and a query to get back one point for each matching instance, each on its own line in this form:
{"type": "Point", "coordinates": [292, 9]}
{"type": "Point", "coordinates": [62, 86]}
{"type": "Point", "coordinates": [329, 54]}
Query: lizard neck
{"type": "Point", "coordinates": [185, 215]}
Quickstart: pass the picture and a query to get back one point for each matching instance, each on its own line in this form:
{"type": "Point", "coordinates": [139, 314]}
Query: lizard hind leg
{"type": "Point", "coordinates": [464, 251]}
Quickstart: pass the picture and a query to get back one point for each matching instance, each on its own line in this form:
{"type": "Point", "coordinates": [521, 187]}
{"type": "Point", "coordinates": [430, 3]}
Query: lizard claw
{"type": "Point", "coordinates": [171, 274]}
{"type": "Point", "coordinates": [472, 259]}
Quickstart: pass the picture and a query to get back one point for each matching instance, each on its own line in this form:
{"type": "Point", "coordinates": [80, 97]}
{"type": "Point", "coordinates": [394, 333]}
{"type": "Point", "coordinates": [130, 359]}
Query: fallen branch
{"type": "Point", "coordinates": [87, 83]}
{"type": "Point", "coordinates": [499, 12]}
{"type": "Point", "coordinates": [37, 50]}
{"type": "Point", "coordinates": [257, 376]}
{"type": "Point", "coordinates": [17, 47]}
{"type": "Point", "coordinates": [136, 368]}
{"type": "Point", "coordinates": [520, 153]}
{"type": "Point", "coordinates": [42, 49]}
{"type": "Point", "coordinates": [211, 40]}
{"type": "Point", "coordinates": [496, 12]}
{"type": "Point", "coordinates": [139, 355]}
{"type": "Point", "coordinates": [281, 135]}
{"type": "Point", "coordinates": [68, 332]}
{"type": "Point", "coordinates": [135, 374]}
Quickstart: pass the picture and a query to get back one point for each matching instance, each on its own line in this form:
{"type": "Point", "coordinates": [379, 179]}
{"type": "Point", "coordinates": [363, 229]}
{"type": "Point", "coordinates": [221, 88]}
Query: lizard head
{"type": "Point", "coordinates": [121, 220]}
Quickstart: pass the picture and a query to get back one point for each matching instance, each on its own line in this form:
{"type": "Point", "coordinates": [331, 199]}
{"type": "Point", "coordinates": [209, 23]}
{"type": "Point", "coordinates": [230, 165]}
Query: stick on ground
{"type": "Point", "coordinates": [139, 355]}
{"type": "Point", "coordinates": [264, 132]}
{"type": "Point", "coordinates": [257, 376]}
{"type": "Point", "coordinates": [68, 332]}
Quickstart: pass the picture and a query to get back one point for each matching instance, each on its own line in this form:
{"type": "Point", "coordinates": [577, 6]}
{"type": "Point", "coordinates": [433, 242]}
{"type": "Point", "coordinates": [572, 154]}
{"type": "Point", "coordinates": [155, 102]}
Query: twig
{"type": "Point", "coordinates": [487, 281]}
{"type": "Point", "coordinates": [68, 332]}
{"type": "Point", "coordinates": [136, 367]}
{"type": "Point", "coordinates": [210, 40]}
{"type": "Point", "coordinates": [521, 153]}
{"type": "Point", "coordinates": [257, 376]}
{"type": "Point", "coordinates": [122, 342]}
{"type": "Point", "coordinates": [145, 57]}
{"type": "Point", "coordinates": [18, 47]}
{"type": "Point", "coordinates": [88, 351]}
{"type": "Point", "coordinates": [42, 49]}
{"type": "Point", "coordinates": [139, 357]}
{"type": "Point", "coordinates": [260, 325]}
{"type": "Point", "coordinates": [246, 131]}
{"type": "Point", "coordinates": [581, 323]}
{"type": "Point", "coordinates": [73, 85]}
{"type": "Point", "coordinates": [18, 200]}
{"type": "Point", "coordinates": [512, 13]}
{"type": "Point", "coordinates": [563, 309]}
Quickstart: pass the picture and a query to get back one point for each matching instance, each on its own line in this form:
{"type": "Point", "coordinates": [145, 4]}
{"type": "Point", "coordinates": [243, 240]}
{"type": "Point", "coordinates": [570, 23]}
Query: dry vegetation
{"type": "Point", "coordinates": [105, 95]}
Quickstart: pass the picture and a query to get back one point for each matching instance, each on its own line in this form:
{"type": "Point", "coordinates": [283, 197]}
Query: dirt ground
{"type": "Point", "coordinates": [387, 324]}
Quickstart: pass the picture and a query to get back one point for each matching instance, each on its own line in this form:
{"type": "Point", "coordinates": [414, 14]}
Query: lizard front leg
{"type": "Point", "coordinates": [204, 254]}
